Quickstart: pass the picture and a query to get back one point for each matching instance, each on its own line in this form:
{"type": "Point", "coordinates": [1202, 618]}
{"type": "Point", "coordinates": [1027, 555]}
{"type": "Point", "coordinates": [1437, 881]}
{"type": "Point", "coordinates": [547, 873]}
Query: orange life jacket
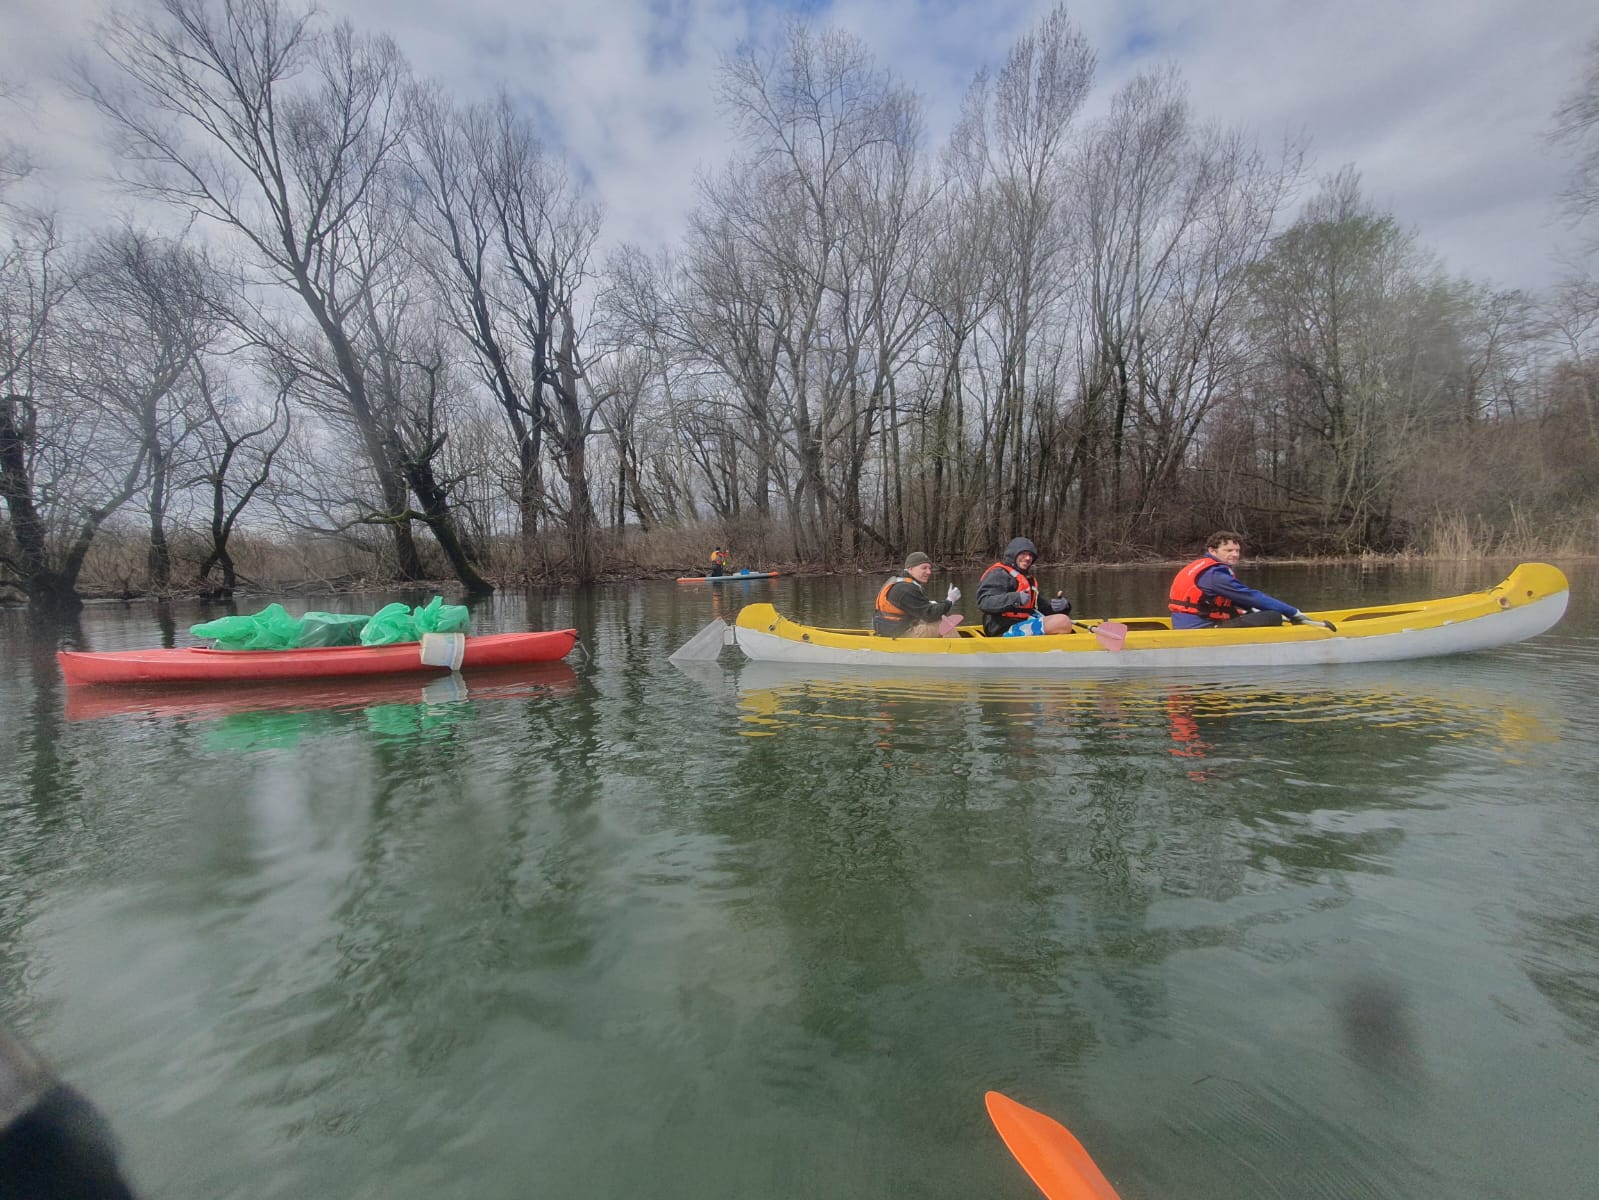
{"type": "Point", "coordinates": [1187, 596]}
{"type": "Point", "coordinates": [889, 618]}
{"type": "Point", "coordinates": [718, 557]}
{"type": "Point", "coordinates": [1024, 586]}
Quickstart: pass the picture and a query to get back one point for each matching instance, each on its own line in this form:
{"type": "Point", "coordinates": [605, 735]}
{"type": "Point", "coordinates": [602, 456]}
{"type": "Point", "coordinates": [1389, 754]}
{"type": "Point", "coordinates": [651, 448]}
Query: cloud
{"type": "Point", "coordinates": [1440, 104]}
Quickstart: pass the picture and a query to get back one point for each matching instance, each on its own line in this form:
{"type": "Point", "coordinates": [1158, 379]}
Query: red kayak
{"type": "Point", "coordinates": [200, 664]}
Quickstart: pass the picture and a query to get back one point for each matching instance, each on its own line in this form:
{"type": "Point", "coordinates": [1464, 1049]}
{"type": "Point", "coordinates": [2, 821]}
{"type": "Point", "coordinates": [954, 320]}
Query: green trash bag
{"type": "Point", "coordinates": [390, 624]}
{"type": "Point", "coordinates": [332, 629]}
{"type": "Point", "coordinates": [439, 617]}
{"type": "Point", "coordinates": [270, 629]}
{"type": "Point", "coordinates": [397, 623]}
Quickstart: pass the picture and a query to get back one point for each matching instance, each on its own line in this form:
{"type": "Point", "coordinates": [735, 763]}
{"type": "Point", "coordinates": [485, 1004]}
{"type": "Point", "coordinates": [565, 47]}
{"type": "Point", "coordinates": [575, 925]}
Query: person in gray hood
{"type": "Point", "coordinates": [1009, 599]}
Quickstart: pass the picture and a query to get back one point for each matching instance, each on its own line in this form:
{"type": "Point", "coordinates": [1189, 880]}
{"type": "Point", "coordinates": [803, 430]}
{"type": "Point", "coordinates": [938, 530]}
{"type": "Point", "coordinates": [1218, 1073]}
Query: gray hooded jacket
{"type": "Point", "coordinates": [997, 593]}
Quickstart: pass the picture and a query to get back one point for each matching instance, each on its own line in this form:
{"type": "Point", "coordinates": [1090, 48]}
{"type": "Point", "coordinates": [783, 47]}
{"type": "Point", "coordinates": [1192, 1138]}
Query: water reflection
{"type": "Point", "coordinates": [1193, 714]}
{"type": "Point", "coordinates": [242, 718]}
{"type": "Point", "coordinates": [210, 701]}
{"type": "Point", "coordinates": [780, 926]}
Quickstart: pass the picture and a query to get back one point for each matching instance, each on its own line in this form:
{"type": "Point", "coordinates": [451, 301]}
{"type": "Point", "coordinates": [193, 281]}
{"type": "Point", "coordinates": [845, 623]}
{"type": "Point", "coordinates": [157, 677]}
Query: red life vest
{"type": "Point", "coordinates": [1024, 586]}
{"type": "Point", "coordinates": [718, 557]}
{"type": "Point", "coordinates": [1187, 596]}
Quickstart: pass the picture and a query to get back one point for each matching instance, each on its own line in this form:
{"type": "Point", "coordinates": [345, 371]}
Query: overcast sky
{"type": "Point", "coordinates": [1441, 105]}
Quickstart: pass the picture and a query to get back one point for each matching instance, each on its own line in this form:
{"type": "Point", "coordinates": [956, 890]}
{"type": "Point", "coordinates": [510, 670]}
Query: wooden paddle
{"type": "Point", "coordinates": [1051, 1156]}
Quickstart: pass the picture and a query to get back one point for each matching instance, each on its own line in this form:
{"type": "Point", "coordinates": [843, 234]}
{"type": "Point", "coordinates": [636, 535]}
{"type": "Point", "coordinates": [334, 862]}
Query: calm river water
{"type": "Point", "coordinates": [616, 929]}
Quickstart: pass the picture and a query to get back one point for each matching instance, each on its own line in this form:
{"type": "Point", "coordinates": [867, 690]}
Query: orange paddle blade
{"type": "Point", "coordinates": [1051, 1156]}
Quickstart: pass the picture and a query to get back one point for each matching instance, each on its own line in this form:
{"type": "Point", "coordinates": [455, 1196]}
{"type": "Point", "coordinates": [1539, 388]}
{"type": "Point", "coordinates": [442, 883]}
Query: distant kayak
{"type": "Point", "coordinates": [730, 577]}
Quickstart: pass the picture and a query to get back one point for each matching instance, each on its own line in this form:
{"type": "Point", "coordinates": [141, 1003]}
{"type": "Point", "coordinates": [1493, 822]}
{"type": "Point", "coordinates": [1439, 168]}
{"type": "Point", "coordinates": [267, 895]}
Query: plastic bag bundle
{"type": "Point", "coordinates": [397, 623]}
{"type": "Point", "coordinates": [273, 629]}
{"type": "Point", "coordinates": [439, 617]}
{"type": "Point", "coordinates": [331, 629]}
{"type": "Point", "coordinates": [390, 624]}
{"type": "Point", "coordinates": [270, 629]}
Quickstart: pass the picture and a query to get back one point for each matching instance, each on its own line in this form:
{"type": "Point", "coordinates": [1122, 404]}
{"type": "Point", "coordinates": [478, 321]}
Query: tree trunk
{"type": "Point", "coordinates": [16, 489]}
{"type": "Point", "coordinates": [158, 562]}
{"type": "Point", "coordinates": [436, 510]}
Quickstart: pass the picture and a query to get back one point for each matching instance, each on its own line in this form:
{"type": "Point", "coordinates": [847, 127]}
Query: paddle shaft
{"type": "Point", "coordinates": [1304, 620]}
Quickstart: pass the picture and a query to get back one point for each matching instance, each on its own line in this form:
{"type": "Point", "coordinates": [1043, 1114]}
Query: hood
{"type": "Point", "coordinates": [1018, 546]}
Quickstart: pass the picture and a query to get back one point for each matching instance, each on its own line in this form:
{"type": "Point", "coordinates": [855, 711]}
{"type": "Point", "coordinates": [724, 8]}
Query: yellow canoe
{"type": "Point", "coordinates": [1526, 604]}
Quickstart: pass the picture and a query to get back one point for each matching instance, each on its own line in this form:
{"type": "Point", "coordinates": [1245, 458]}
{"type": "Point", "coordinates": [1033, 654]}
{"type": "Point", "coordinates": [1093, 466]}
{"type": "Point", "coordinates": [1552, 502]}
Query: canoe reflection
{"type": "Point", "coordinates": [1471, 700]}
{"type": "Point", "coordinates": [205, 701]}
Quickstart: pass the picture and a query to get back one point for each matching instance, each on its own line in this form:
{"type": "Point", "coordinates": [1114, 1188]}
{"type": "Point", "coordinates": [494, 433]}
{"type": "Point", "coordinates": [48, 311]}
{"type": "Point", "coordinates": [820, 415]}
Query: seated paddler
{"type": "Point", "coordinates": [903, 608]}
{"type": "Point", "coordinates": [1009, 598]}
{"type": "Point", "coordinates": [1207, 595]}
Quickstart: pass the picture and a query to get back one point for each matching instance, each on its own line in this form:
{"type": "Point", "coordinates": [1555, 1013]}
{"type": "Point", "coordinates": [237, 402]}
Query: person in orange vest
{"type": "Point", "coordinates": [903, 608]}
{"type": "Point", "coordinates": [1009, 598]}
{"type": "Point", "coordinates": [1207, 595]}
{"type": "Point", "coordinates": [718, 562]}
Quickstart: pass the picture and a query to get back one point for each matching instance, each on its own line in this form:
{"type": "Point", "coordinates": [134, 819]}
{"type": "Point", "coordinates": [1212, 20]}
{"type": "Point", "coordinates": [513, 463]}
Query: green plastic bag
{"type": "Point", "coordinates": [396, 623]}
{"type": "Point", "coordinates": [270, 629]}
{"type": "Point", "coordinates": [439, 617]}
{"type": "Point", "coordinates": [332, 629]}
{"type": "Point", "coordinates": [273, 629]}
{"type": "Point", "coordinates": [390, 624]}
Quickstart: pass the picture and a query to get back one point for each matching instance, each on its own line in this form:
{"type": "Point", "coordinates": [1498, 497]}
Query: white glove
{"type": "Point", "coordinates": [1060, 604]}
{"type": "Point", "coordinates": [954, 595]}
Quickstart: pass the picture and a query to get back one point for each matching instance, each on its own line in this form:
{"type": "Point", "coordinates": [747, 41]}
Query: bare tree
{"type": "Point", "coordinates": [239, 446]}
{"type": "Point", "coordinates": [798, 228]}
{"type": "Point", "coordinates": [1026, 114]}
{"type": "Point", "coordinates": [1173, 215]}
{"type": "Point", "coordinates": [725, 317]}
{"type": "Point", "coordinates": [959, 266]}
{"type": "Point", "coordinates": [1360, 353]}
{"type": "Point", "coordinates": [149, 313]}
{"type": "Point", "coordinates": [248, 114]}
{"type": "Point", "coordinates": [94, 358]}
{"type": "Point", "coordinates": [41, 439]}
{"type": "Point", "coordinates": [16, 161]}
{"type": "Point", "coordinates": [1577, 128]}
{"type": "Point", "coordinates": [513, 236]}
{"type": "Point", "coordinates": [657, 401]}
